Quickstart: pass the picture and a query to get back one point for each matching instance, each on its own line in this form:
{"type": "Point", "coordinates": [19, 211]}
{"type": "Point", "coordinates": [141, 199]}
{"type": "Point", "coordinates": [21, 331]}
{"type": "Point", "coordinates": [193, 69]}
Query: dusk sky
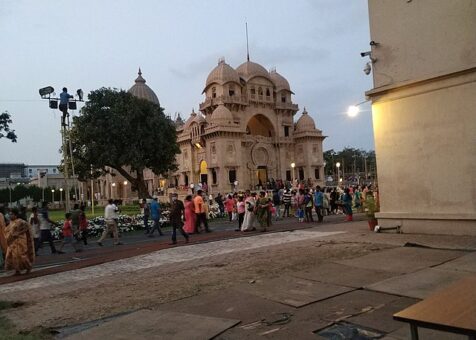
{"type": "Point", "coordinates": [88, 44]}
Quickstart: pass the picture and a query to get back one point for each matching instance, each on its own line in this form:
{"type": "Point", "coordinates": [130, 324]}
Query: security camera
{"type": "Point", "coordinates": [365, 54]}
{"type": "Point", "coordinates": [367, 68]}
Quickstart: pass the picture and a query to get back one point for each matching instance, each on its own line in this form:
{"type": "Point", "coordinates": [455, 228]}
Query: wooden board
{"type": "Point", "coordinates": [452, 309]}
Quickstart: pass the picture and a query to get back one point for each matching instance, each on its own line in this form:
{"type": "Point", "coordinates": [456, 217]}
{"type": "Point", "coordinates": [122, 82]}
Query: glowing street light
{"type": "Point", "coordinates": [52, 195]}
{"type": "Point", "coordinates": [353, 111]}
{"type": "Point", "coordinates": [338, 172]}
{"type": "Point", "coordinates": [293, 165]}
{"type": "Point", "coordinates": [61, 195]}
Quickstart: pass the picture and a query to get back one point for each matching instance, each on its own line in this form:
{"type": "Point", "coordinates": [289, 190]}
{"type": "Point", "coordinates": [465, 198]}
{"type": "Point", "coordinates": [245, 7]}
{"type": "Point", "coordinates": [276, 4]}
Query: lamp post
{"type": "Point", "coordinates": [338, 172]}
{"type": "Point", "coordinates": [125, 190]}
{"type": "Point", "coordinates": [293, 165]}
{"type": "Point", "coordinates": [112, 190]}
{"type": "Point", "coordinates": [52, 195]}
{"type": "Point", "coordinates": [92, 190]}
{"type": "Point", "coordinates": [61, 195]}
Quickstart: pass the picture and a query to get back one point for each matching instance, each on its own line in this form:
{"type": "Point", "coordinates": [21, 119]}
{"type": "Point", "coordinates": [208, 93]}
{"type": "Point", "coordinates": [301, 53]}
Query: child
{"type": "Point", "coordinates": [240, 208]}
{"type": "Point", "coordinates": [370, 209]}
{"type": "Point", "coordinates": [68, 234]}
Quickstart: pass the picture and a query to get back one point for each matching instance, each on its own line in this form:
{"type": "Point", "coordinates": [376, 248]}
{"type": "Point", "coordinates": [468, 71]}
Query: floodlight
{"type": "Point", "coordinates": [45, 91]}
{"type": "Point", "coordinates": [72, 105]}
{"type": "Point", "coordinates": [53, 104]}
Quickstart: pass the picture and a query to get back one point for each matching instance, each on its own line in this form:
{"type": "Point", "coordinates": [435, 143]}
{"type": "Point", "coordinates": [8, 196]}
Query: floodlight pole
{"type": "Point", "coordinates": [64, 131]}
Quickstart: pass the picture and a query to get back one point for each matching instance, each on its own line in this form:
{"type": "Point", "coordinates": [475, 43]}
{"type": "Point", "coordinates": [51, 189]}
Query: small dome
{"type": "Point", "coordinates": [141, 90]}
{"type": "Point", "coordinates": [222, 74]}
{"type": "Point", "coordinates": [222, 116]}
{"type": "Point", "coordinates": [305, 122]}
{"type": "Point", "coordinates": [249, 70]}
{"type": "Point", "coordinates": [279, 81]}
{"type": "Point", "coordinates": [190, 119]}
{"type": "Point", "coordinates": [199, 119]}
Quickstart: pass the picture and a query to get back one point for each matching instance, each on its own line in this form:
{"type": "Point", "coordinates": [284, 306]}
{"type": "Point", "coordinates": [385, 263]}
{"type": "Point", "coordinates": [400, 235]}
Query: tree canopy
{"type": "Point", "coordinates": [5, 131]}
{"type": "Point", "coordinates": [125, 133]}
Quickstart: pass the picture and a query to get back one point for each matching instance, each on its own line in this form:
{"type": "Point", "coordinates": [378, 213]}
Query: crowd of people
{"type": "Point", "coordinates": [21, 237]}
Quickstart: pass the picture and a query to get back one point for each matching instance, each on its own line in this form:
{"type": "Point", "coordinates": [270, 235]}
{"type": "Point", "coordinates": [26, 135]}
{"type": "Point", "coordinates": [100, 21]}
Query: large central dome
{"type": "Point", "coordinates": [141, 90]}
{"type": "Point", "coordinates": [249, 70]}
{"type": "Point", "coordinates": [222, 74]}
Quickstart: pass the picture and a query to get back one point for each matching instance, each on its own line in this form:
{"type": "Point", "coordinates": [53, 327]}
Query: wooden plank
{"type": "Point", "coordinates": [452, 309]}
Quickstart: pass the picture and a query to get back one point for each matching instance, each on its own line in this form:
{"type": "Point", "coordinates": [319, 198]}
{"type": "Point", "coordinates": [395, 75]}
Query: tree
{"type": "Point", "coordinates": [119, 131]}
{"type": "Point", "coordinates": [5, 131]}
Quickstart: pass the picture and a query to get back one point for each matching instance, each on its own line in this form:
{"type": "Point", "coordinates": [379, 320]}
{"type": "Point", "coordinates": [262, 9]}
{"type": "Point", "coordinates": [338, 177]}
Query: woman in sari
{"type": "Point", "coordinates": [21, 250]}
{"type": "Point", "coordinates": [249, 218]}
{"type": "Point", "coordinates": [262, 207]}
{"type": "Point", "coordinates": [3, 241]}
{"type": "Point", "coordinates": [189, 225]}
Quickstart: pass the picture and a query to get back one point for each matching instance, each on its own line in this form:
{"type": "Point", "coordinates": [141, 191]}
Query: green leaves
{"type": "Point", "coordinates": [116, 129]}
{"type": "Point", "coordinates": [5, 131]}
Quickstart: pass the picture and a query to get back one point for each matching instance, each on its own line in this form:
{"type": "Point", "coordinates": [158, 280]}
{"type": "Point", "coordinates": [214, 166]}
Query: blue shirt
{"type": "Point", "coordinates": [319, 199]}
{"type": "Point", "coordinates": [64, 97]}
{"type": "Point", "coordinates": [154, 210]}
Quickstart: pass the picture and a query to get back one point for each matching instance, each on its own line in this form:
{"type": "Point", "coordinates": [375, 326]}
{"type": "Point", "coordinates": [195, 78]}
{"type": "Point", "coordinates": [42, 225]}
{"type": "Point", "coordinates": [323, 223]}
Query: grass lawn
{"type": "Point", "coordinates": [8, 331]}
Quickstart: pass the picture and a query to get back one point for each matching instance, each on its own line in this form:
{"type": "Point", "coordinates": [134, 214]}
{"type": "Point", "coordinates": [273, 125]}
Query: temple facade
{"type": "Point", "coordinates": [243, 136]}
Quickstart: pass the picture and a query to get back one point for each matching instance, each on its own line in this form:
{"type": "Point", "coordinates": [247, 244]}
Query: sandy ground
{"type": "Point", "coordinates": [81, 301]}
{"type": "Point", "coordinates": [90, 300]}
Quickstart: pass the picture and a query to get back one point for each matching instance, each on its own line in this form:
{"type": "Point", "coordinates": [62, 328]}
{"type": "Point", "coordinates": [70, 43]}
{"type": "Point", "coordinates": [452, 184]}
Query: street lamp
{"type": "Point", "coordinates": [354, 110]}
{"type": "Point", "coordinates": [338, 172]}
{"type": "Point", "coordinates": [61, 195]}
{"type": "Point", "coordinates": [293, 165]}
{"type": "Point", "coordinates": [52, 195]}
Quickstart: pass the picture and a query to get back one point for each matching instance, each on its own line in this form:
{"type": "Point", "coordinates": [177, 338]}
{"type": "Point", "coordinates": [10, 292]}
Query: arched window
{"type": "Point", "coordinates": [231, 90]}
{"type": "Point", "coordinates": [214, 92]}
{"type": "Point", "coordinates": [260, 91]}
{"type": "Point", "coordinates": [252, 91]}
{"type": "Point", "coordinates": [268, 93]}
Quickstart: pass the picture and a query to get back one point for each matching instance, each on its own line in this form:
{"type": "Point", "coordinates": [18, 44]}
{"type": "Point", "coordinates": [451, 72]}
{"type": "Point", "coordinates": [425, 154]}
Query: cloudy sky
{"type": "Point", "coordinates": [88, 44]}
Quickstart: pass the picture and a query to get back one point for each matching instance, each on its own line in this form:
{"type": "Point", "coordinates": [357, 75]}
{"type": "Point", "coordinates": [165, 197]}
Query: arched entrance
{"type": "Point", "coordinates": [260, 125]}
{"type": "Point", "coordinates": [203, 172]}
{"type": "Point", "coordinates": [261, 152]}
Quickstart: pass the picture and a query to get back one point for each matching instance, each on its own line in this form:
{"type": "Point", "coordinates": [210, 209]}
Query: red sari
{"type": "Point", "coordinates": [189, 225]}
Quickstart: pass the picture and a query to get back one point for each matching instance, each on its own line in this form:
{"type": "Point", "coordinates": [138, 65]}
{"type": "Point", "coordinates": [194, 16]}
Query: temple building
{"type": "Point", "coordinates": [244, 136]}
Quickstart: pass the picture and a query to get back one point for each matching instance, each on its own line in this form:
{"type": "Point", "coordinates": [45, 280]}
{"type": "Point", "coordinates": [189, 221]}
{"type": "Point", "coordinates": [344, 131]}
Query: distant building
{"type": "Point", "coordinates": [424, 113]}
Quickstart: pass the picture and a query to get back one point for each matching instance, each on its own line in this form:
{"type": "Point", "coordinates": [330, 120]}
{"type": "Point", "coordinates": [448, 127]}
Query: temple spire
{"type": "Point", "coordinates": [247, 47]}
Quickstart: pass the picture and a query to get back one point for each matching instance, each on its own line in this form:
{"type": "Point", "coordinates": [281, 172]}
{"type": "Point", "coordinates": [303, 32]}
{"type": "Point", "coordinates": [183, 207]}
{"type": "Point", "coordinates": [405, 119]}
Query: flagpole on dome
{"type": "Point", "coordinates": [247, 47]}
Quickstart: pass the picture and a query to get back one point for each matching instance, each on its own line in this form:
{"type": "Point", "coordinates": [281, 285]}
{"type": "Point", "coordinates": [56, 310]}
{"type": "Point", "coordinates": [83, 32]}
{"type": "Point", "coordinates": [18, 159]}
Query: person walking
{"type": "Point", "coordinates": [3, 240]}
{"type": "Point", "coordinates": [35, 227]}
{"type": "Point", "coordinates": [45, 228]}
{"type": "Point", "coordinates": [200, 212]}
{"type": "Point", "coordinates": [177, 210]}
{"type": "Point", "coordinates": [287, 202]}
{"type": "Point", "coordinates": [230, 207]}
{"type": "Point", "coordinates": [83, 225]}
{"type": "Point", "coordinates": [319, 203]}
{"type": "Point", "coordinates": [110, 217]}
{"type": "Point", "coordinates": [190, 217]}
{"type": "Point", "coordinates": [240, 209]}
{"type": "Point", "coordinates": [262, 208]}
{"type": "Point", "coordinates": [249, 218]}
{"type": "Point", "coordinates": [145, 211]}
{"type": "Point", "coordinates": [20, 253]}
{"type": "Point", "coordinates": [308, 205]}
{"type": "Point", "coordinates": [68, 233]}
{"type": "Point", "coordinates": [277, 203]}
{"type": "Point", "coordinates": [155, 215]}
{"type": "Point", "coordinates": [347, 205]}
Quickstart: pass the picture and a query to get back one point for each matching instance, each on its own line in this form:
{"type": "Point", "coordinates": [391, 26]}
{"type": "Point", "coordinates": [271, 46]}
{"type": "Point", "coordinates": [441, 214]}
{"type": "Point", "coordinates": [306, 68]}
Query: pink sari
{"type": "Point", "coordinates": [189, 226]}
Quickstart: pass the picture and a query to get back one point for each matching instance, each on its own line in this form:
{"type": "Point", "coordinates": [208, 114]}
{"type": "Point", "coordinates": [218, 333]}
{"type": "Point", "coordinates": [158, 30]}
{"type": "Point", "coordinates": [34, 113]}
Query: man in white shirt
{"type": "Point", "coordinates": [110, 217]}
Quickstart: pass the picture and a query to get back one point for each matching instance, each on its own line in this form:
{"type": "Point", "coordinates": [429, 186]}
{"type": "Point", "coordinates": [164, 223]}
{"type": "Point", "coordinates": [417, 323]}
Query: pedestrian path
{"type": "Point", "coordinates": [166, 256]}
